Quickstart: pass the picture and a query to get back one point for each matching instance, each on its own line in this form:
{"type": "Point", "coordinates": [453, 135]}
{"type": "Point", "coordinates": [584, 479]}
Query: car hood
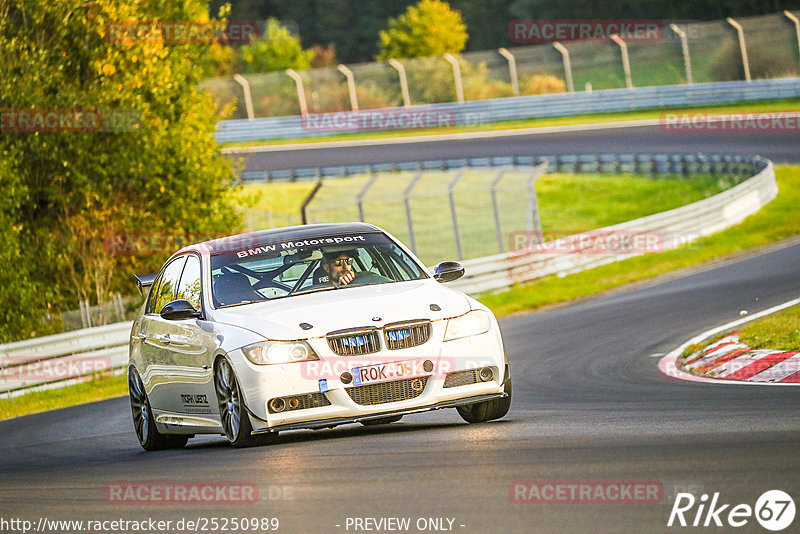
{"type": "Point", "coordinates": [328, 311]}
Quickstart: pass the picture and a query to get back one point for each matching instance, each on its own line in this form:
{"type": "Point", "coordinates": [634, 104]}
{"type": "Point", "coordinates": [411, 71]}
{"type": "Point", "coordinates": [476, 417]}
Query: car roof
{"type": "Point", "coordinates": [261, 237]}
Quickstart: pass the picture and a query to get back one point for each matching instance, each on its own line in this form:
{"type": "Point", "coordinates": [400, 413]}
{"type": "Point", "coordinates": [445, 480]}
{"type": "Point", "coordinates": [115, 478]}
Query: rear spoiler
{"type": "Point", "coordinates": [144, 281]}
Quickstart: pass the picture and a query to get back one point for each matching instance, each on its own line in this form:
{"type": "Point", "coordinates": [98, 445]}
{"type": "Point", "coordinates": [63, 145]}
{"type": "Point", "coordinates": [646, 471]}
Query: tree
{"type": "Point", "coordinates": [278, 50]}
{"type": "Point", "coordinates": [429, 28]}
{"type": "Point", "coordinates": [66, 188]}
{"type": "Point", "coordinates": [356, 37]}
{"type": "Point", "coordinates": [487, 21]}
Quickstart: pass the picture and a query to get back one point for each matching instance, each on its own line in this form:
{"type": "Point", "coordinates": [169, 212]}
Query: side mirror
{"type": "Point", "coordinates": [144, 282]}
{"type": "Point", "coordinates": [447, 271]}
{"type": "Point", "coordinates": [179, 309]}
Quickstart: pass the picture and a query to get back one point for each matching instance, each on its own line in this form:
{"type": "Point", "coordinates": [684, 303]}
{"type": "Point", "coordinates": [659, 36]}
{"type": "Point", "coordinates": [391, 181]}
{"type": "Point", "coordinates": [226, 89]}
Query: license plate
{"type": "Point", "coordinates": [384, 372]}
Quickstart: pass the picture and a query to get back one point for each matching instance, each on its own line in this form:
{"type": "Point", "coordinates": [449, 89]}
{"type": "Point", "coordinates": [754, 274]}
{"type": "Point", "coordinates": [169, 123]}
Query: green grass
{"type": "Point", "coordinates": [598, 118]}
{"type": "Point", "coordinates": [271, 205]}
{"type": "Point", "coordinates": [779, 331]}
{"type": "Point", "coordinates": [775, 222]}
{"type": "Point", "coordinates": [38, 401]}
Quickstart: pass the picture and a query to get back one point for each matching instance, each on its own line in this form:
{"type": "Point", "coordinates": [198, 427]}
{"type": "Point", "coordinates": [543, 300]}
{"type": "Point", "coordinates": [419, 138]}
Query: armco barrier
{"type": "Point", "coordinates": [61, 359]}
{"type": "Point", "coordinates": [539, 106]}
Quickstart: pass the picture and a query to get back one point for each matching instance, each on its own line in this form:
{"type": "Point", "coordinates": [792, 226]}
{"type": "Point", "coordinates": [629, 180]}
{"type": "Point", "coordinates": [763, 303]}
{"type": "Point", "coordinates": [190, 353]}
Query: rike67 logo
{"type": "Point", "coordinates": [774, 510]}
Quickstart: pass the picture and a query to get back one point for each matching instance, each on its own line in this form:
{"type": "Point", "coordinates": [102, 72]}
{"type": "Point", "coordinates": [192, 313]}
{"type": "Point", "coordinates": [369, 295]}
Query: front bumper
{"type": "Point", "coordinates": [340, 403]}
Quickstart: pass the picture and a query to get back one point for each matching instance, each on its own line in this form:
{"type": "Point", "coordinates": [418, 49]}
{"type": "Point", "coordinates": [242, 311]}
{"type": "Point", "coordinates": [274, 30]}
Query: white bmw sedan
{"type": "Point", "coordinates": [307, 327]}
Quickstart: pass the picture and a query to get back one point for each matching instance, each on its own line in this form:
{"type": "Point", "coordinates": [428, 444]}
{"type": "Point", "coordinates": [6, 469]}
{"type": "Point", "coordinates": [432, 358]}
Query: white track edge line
{"type": "Point", "coordinates": [666, 365]}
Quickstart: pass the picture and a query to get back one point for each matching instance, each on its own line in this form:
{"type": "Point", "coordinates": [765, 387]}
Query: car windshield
{"type": "Point", "coordinates": [282, 269]}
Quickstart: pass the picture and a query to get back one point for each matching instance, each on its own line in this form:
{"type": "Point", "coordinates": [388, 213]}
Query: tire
{"type": "Point", "coordinates": [232, 411]}
{"type": "Point", "coordinates": [143, 423]}
{"type": "Point", "coordinates": [382, 420]}
{"type": "Point", "coordinates": [481, 412]}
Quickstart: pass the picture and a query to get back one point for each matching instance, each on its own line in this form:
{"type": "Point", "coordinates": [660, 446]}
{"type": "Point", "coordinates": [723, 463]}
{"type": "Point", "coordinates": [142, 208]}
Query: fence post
{"type": "Point", "coordinates": [407, 202]}
{"type": "Point", "coordinates": [626, 64]}
{"type": "Point", "coordinates": [373, 176]}
{"type": "Point", "coordinates": [119, 308]}
{"type": "Point", "coordinates": [450, 58]}
{"type": "Point", "coordinates": [248, 100]}
{"type": "Point", "coordinates": [687, 61]}
{"type": "Point", "coordinates": [86, 317]}
{"type": "Point", "coordinates": [496, 210]}
{"type": "Point", "coordinates": [351, 86]}
{"type": "Point", "coordinates": [512, 69]}
{"type": "Point", "coordinates": [794, 19]}
{"type": "Point", "coordinates": [567, 65]}
{"type": "Point", "coordinates": [401, 72]}
{"type": "Point", "coordinates": [534, 221]}
{"type": "Point", "coordinates": [310, 197]}
{"type": "Point", "coordinates": [301, 93]}
{"type": "Point", "coordinates": [454, 216]}
{"type": "Point", "coordinates": [742, 47]}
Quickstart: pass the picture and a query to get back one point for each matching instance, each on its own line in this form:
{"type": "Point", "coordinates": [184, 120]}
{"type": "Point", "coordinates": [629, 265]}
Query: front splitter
{"type": "Point", "coordinates": [330, 423]}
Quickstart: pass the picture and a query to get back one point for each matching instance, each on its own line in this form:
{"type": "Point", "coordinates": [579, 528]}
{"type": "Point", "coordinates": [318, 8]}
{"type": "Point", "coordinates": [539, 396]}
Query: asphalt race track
{"type": "Point", "coordinates": [589, 405]}
{"type": "Point", "coordinates": [780, 147]}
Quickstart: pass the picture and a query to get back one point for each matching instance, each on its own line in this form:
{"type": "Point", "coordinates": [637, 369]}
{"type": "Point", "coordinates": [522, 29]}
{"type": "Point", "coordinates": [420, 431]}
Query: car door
{"type": "Point", "coordinates": [158, 374]}
{"type": "Point", "coordinates": [184, 348]}
{"type": "Point", "coordinates": [191, 343]}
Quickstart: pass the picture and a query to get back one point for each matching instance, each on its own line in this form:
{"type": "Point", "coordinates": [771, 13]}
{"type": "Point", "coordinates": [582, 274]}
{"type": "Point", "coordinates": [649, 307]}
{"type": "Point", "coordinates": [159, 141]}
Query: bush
{"type": "Point", "coordinates": [542, 84]}
{"type": "Point", "coordinates": [429, 28]}
{"type": "Point", "coordinates": [334, 98]}
{"type": "Point", "coordinates": [220, 60]}
{"type": "Point", "coordinates": [323, 56]}
{"type": "Point", "coordinates": [764, 63]}
{"type": "Point", "coordinates": [277, 50]}
{"type": "Point", "coordinates": [482, 90]}
{"type": "Point", "coordinates": [431, 81]}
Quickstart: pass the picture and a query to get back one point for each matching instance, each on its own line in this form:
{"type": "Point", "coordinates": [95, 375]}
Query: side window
{"type": "Point", "coordinates": [189, 286]}
{"type": "Point", "coordinates": [151, 295]}
{"type": "Point", "coordinates": [402, 263]}
{"type": "Point", "coordinates": [169, 281]}
{"type": "Point", "coordinates": [364, 259]}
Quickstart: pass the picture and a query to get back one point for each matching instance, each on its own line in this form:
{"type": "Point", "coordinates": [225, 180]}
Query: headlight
{"type": "Point", "coordinates": [470, 324]}
{"type": "Point", "coordinates": [272, 352]}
